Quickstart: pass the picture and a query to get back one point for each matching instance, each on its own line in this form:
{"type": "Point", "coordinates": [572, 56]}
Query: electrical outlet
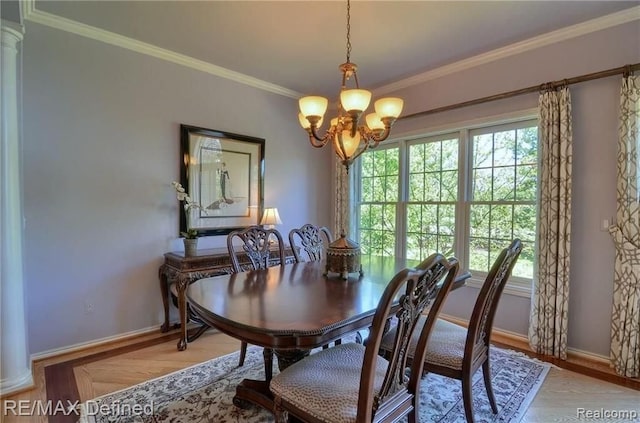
{"type": "Point", "coordinates": [88, 307]}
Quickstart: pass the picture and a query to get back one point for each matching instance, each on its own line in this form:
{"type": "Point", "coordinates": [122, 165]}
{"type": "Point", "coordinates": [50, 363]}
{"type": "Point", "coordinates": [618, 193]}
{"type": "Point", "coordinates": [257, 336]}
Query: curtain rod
{"type": "Point", "coordinates": [533, 89]}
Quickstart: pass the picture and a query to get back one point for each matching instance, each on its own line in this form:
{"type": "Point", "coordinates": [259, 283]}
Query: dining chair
{"type": "Point", "coordinates": [351, 382]}
{"type": "Point", "coordinates": [457, 352]}
{"type": "Point", "coordinates": [312, 241]}
{"type": "Point", "coordinates": [257, 246]}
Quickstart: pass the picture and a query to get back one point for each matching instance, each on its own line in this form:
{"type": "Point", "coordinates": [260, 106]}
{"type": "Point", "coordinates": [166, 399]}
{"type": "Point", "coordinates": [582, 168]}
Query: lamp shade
{"type": "Point", "coordinates": [355, 99]}
{"type": "Point", "coordinates": [389, 107]}
{"type": "Point", "coordinates": [304, 122]}
{"type": "Point", "coordinates": [350, 143]}
{"type": "Point", "coordinates": [313, 105]}
{"type": "Point", "coordinates": [374, 123]}
{"type": "Point", "coordinates": [271, 217]}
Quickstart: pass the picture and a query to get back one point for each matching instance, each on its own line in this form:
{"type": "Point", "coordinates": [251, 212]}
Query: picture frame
{"type": "Point", "coordinates": [223, 172]}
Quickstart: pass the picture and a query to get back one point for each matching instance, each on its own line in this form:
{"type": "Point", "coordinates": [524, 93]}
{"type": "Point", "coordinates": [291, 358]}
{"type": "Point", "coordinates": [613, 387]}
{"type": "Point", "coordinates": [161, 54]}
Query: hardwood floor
{"type": "Point", "coordinates": [83, 376]}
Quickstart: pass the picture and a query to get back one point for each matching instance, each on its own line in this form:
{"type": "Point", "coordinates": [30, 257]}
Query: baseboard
{"type": "Point", "coordinates": [520, 339]}
{"type": "Point", "coordinates": [92, 344]}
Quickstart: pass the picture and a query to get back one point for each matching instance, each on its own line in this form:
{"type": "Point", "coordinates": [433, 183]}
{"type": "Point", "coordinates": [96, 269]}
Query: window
{"type": "Point", "coordinates": [467, 193]}
{"type": "Point", "coordinates": [379, 196]}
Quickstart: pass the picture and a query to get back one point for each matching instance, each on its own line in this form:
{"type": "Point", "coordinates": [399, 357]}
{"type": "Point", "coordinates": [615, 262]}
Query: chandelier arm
{"type": "Point", "coordinates": [378, 138]}
{"type": "Point", "coordinates": [372, 138]}
{"type": "Point", "coordinates": [317, 141]}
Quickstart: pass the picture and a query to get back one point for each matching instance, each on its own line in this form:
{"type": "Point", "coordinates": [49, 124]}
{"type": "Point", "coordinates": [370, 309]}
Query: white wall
{"type": "Point", "coordinates": [101, 146]}
{"type": "Point", "coordinates": [595, 114]}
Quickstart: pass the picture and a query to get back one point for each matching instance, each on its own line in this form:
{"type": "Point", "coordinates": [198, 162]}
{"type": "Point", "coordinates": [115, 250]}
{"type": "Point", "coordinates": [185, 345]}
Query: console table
{"type": "Point", "coordinates": [180, 271]}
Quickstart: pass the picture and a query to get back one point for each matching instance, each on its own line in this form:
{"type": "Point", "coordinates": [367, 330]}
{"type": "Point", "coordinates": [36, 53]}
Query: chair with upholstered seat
{"type": "Point", "coordinates": [257, 246]}
{"type": "Point", "coordinates": [351, 382]}
{"type": "Point", "coordinates": [457, 352]}
{"type": "Point", "coordinates": [311, 242]}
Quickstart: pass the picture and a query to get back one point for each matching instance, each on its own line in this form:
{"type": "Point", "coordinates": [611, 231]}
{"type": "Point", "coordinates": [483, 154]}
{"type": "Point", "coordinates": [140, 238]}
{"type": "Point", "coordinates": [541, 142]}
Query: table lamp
{"type": "Point", "coordinates": [270, 218]}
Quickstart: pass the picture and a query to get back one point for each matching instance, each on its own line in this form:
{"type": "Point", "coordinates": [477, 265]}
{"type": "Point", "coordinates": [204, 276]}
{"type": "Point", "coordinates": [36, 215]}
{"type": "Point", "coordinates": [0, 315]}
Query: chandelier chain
{"type": "Point", "coordinates": [348, 31]}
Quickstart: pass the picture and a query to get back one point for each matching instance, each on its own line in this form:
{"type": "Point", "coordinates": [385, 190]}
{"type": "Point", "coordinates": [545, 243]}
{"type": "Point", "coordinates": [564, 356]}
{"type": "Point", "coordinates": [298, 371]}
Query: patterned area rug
{"type": "Point", "coordinates": [204, 392]}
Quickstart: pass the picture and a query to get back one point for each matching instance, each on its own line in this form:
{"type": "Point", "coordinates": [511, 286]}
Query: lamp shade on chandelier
{"type": "Point", "coordinates": [349, 137]}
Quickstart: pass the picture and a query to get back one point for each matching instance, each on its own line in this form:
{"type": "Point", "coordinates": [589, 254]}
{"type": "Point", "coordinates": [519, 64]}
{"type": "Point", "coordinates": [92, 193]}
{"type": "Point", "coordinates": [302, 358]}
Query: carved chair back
{"type": "Point", "coordinates": [484, 310]}
{"type": "Point", "coordinates": [311, 241]}
{"type": "Point", "coordinates": [256, 245]}
{"type": "Point", "coordinates": [425, 286]}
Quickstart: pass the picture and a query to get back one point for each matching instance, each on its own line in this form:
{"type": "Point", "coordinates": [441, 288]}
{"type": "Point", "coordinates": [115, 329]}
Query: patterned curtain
{"type": "Point", "coordinates": [625, 320]}
{"type": "Point", "coordinates": [550, 301]}
{"type": "Point", "coordinates": [341, 217]}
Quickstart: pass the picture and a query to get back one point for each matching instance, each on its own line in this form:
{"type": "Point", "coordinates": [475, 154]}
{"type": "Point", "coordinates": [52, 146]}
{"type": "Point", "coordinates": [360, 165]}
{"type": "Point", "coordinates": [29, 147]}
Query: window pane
{"type": "Point", "coordinates": [379, 157]}
{"type": "Point", "coordinates": [524, 266]}
{"type": "Point", "coordinates": [482, 150]}
{"type": "Point", "coordinates": [527, 151]}
{"type": "Point", "coordinates": [416, 158]}
{"type": "Point", "coordinates": [504, 183]}
{"type": "Point", "coordinates": [450, 154]}
{"type": "Point", "coordinates": [416, 187]}
{"type": "Point", "coordinates": [449, 186]}
{"type": "Point", "coordinates": [479, 254]}
{"type": "Point", "coordinates": [365, 216]}
{"type": "Point", "coordinates": [527, 183]}
{"type": "Point", "coordinates": [414, 218]}
{"type": "Point", "coordinates": [504, 148]}
{"type": "Point", "coordinates": [524, 222]}
{"type": "Point", "coordinates": [445, 246]}
{"type": "Point", "coordinates": [501, 223]}
{"type": "Point", "coordinates": [391, 188]}
{"type": "Point", "coordinates": [482, 179]}
{"type": "Point", "coordinates": [366, 164]}
{"type": "Point", "coordinates": [367, 189]}
{"type": "Point", "coordinates": [479, 221]}
{"type": "Point", "coordinates": [431, 156]}
{"type": "Point", "coordinates": [432, 187]}
{"type": "Point", "coordinates": [447, 219]}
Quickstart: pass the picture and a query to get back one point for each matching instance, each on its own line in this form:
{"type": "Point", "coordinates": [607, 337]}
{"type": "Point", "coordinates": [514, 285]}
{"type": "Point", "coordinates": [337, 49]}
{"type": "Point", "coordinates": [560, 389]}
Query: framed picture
{"type": "Point", "coordinates": [224, 174]}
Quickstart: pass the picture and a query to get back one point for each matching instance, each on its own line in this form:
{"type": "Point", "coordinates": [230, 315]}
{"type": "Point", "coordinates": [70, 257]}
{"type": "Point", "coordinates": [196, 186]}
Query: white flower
{"type": "Point", "coordinates": [189, 204]}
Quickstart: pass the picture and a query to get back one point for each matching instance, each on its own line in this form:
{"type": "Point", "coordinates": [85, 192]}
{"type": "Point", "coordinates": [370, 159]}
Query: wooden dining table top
{"type": "Point", "coordinates": [295, 305]}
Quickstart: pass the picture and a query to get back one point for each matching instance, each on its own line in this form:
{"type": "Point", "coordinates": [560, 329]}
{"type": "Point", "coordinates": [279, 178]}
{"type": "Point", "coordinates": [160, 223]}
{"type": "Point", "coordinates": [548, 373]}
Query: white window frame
{"type": "Point", "coordinates": [516, 286]}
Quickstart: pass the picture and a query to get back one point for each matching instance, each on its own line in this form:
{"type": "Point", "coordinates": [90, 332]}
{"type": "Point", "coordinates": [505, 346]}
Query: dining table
{"type": "Point", "coordinates": [291, 309]}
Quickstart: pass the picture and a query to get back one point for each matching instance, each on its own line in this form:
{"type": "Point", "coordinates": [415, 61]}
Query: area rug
{"type": "Point", "coordinates": [204, 392]}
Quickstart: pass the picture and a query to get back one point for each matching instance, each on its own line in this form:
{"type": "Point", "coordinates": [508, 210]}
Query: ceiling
{"type": "Point", "coordinates": [299, 44]}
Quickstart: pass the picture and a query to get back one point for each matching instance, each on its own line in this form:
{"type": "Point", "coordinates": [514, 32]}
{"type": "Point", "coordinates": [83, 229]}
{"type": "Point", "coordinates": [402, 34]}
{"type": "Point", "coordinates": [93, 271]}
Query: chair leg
{"type": "Point", "coordinates": [243, 353]}
{"type": "Point", "coordinates": [267, 354]}
{"type": "Point", "coordinates": [467, 399]}
{"type": "Point", "coordinates": [280, 414]}
{"type": "Point", "coordinates": [486, 373]}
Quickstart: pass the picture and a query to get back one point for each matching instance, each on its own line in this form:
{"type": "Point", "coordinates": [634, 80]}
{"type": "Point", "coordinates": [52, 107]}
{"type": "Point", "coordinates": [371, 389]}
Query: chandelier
{"type": "Point", "coordinates": [349, 138]}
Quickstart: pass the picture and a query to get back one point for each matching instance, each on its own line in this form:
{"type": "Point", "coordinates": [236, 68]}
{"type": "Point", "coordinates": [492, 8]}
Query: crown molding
{"type": "Point", "coordinates": [74, 27]}
{"type": "Point", "coordinates": [583, 28]}
{"type": "Point", "coordinates": [48, 19]}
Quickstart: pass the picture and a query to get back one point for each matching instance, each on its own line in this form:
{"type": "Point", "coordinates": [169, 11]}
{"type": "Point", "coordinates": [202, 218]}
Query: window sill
{"type": "Point", "coordinates": [514, 288]}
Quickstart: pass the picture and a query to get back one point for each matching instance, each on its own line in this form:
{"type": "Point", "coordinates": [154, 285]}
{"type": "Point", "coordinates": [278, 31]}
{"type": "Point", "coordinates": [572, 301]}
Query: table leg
{"type": "Point", "coordinates": [288, 357]}
{"type": "Point", "coordinates": [164, 289]}
{"type": "Point", "coordinates": [257, 392]}
{"type": "Point", "coordinates": [181, 287]}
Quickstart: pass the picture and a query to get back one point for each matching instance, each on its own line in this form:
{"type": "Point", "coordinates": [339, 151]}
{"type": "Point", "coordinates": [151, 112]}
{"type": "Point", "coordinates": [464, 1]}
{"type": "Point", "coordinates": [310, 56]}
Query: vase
{"type": "Point", "coordinates": [190, 247]}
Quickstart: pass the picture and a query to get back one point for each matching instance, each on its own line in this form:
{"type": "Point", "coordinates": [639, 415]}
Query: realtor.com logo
{"type": "Point", "coordinates": [73, 408]}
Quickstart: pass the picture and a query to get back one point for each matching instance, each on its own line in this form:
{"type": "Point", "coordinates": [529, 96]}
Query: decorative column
{"type": "Point", "coordinates": [15, 368]}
